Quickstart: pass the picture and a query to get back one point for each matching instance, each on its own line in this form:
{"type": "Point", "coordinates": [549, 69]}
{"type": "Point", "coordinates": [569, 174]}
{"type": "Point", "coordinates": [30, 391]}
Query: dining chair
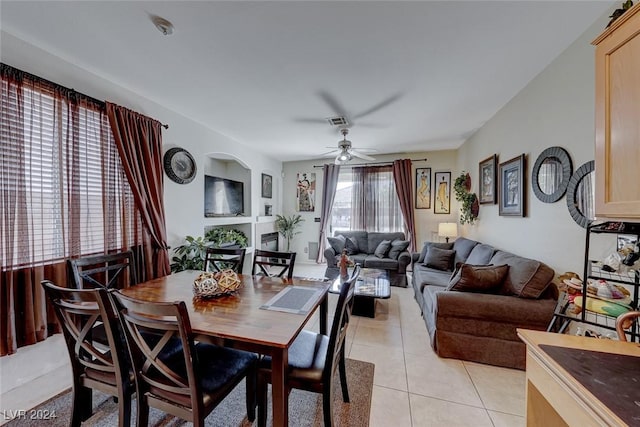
{"type": "Point", "coordinates": [112, 271]}
{"type": "Point", "coordinates": [314, 358]}
{"type": "Point", "coordinates": [188, 383]}
{"type": "Point", "coordinates": [266, 261]}
{"type": "Point", "coordinates": [625, 321]}
{"type": "Point", "coordinates": [222, 258]}
{"type": "Point", "coordinates": [93, 367]}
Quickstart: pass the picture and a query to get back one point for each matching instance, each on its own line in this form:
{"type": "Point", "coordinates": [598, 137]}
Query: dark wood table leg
{"type": "Point", "coordinates": [279, 362]}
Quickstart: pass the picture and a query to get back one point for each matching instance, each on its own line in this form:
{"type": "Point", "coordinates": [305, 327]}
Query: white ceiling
{"type": "Point", "coordinates": [268, 73]}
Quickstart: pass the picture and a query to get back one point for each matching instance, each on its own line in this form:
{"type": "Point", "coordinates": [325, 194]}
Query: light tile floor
{"type": "Point", "coordinates": [413, 387]}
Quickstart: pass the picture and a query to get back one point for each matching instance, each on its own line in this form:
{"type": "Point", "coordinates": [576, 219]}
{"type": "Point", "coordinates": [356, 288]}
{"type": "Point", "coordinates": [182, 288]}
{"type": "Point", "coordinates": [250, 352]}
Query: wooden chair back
{"type": "Point", "coordinates": [112, 271]}
{"type": "Point", "coordinates": [341, 318]}
{"type": "Point", "coordinates": [273, 264]}
{"type": "Point", "coordinates": [92, 365]}
{"type": "Point", "coordinates": [218, 259]}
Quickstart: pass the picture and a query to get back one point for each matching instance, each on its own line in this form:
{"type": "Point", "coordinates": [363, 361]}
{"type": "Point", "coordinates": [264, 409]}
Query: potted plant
{"type": "Point", "coordinates": [470, 206]}
{"type": "Point", "coordinates": [287, 227]}
{"type": "Point", "coordinates": [191, 254]}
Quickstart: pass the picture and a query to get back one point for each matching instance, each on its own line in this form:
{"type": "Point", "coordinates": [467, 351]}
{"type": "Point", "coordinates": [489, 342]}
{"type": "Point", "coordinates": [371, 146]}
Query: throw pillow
{"type": "Point", "coordinates": [427, 245]}
{"type": "Point", "coordinates": [397, 247]}
{"type": "Point", "coordinates": [439, 259]}
{"type": "Point", "coordinates": [337, 243]}
{"type": "Point", "coordinates": [478, 278]}
{"type": "Point", "coordinates": [351, 245]}
{"type": "Point", "coordinates": [383, 249]}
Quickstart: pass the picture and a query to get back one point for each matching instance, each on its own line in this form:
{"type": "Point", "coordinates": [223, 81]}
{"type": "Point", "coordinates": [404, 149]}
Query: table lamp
{"type": "Point", "coordinates": [447, 229]}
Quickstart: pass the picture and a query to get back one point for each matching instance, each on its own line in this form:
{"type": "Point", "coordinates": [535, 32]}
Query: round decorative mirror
{"type": "Point", "coordinates": [581, 194]}
{"type": "Point", "coordinates": [551, 173]}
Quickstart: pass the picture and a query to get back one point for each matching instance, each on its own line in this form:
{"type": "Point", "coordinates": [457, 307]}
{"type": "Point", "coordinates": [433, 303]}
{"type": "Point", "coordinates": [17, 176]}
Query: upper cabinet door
{"type": "Point", "coordinates": [617, 155]}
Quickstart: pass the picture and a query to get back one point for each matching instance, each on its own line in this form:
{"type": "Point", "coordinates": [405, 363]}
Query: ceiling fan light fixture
{"type": "Point", "coordinates": [163, 25]}
{"type": "Point", "coordinates": [343, 157]}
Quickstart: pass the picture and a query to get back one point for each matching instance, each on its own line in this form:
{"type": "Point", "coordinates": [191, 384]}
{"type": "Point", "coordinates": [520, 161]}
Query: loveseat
{"type": "Point", "coordinates": [473, 314]}
{"type": "Point", "coordinates": [384, 251]}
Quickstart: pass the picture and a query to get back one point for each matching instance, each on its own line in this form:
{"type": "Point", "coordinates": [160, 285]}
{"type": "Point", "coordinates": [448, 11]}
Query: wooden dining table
{"type": "Point", "coordinates": [238, 321]}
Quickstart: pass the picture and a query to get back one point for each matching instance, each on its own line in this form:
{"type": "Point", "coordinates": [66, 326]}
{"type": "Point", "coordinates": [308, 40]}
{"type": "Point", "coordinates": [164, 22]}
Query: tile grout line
{"type": "Point", "coordinates": [404, 358]}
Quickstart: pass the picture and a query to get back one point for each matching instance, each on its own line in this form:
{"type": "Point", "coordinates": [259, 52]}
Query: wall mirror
{"type": "Point", "coordinates": [581, 194]}
{"type": "Point", "coordinates": [551, 173]}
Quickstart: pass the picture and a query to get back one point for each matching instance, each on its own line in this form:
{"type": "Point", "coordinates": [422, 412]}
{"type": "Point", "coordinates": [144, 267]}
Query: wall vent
{"type": "Point", "coordinates": [313, 250]}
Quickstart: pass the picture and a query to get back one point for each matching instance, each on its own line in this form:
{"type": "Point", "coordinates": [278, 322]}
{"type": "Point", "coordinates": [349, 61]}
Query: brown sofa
{"type": "Point", "coordinates": [479, 324]}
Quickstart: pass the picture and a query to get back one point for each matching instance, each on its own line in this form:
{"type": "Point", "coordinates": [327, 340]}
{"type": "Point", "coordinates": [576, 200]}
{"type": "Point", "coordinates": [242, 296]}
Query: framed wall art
{"type": "Point", "coordinates": [512, 187]}
{"type": "Point", "coordinates": [306, 192]}
{"type": "Point", "coordinates": [423, 188]}
{"type": "Point", "coordinates": [488, 182]}
{"type": "Point", "coordinates": [267, 186]}
{"type": "Point", "coordinates": [442, 199]}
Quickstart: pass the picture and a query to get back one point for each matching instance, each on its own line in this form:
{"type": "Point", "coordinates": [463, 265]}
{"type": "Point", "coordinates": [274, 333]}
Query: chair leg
{"type": "Point", "coordinates": [327, 404]}
{"type": "Point", "coordinates": [143, 411]}
{"type": "Point", "coordinates": [343, 376]}
{"type": "Point", "coordinates": [262, 401]}
{"type": "Point", "coordinates": [82, 405]}
{"type": "Point", "coordinates": [124, 412]}
{"type": "Point", "coordinates": [250, 381]}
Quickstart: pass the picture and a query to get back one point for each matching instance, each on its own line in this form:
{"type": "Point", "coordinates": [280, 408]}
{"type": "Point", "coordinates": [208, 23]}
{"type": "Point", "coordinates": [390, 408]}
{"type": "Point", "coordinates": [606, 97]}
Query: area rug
{"type": "Point", "coordinates": [305, 408]}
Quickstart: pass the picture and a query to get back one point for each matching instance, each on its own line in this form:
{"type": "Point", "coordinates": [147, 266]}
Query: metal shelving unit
{"type": "Point", "coordinates": [566, 311]}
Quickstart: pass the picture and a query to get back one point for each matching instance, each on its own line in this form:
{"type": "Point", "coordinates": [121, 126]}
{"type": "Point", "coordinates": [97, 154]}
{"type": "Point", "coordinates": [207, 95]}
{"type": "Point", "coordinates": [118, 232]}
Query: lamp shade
{"type": "Point", "coordinates": [447, 229]}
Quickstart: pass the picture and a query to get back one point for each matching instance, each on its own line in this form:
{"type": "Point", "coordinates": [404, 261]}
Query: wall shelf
{"type": "Point", "coordinates": [228, 220]}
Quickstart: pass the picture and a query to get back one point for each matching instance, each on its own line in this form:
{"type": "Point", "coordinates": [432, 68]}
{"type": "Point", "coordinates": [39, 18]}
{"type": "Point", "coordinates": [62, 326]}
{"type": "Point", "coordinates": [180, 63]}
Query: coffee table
{"type": "Point", "coordinates": [373, 284]}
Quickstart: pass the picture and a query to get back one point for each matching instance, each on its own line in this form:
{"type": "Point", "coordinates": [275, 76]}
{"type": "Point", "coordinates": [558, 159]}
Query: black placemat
{"type": "Point", "coordinates": [293, 299]}
{"type": "Point", "coordinates": [614, 379]}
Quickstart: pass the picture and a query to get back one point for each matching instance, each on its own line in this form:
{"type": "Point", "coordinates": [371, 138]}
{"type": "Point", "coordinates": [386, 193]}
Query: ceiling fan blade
{"type": "Point", "coordinates": [333, 103]}
{"type": "Point", "coordinates": [380, 105]}
{"type": "Point", "coordinates": [360, 155]}
{"type": "Point", "coordinates": [309, 120]}
{"type": "Point", "coordinates": [329, 153]}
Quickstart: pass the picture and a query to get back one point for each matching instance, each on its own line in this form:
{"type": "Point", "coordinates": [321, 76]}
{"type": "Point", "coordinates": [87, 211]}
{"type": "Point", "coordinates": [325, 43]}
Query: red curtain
{"type": "Point", "coordinates": [139, 142]}
{"type": "Point", "coordinates": [404, 184]}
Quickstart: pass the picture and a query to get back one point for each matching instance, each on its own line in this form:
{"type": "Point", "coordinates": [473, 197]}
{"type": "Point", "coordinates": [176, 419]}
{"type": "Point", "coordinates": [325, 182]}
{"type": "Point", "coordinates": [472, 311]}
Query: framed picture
{"type": "Point", "coordinates": [442, 199]}
{"type": "Point", "coordinates": [423, 188]}
{"type": "Point", "coordinates": [306, 192]}
{"type": "Point", "coordinates": [512, 186]}
{"type": "Point", "coordinates": [488, 181]}
{"type": "Point", "coordinates": [267, 186]}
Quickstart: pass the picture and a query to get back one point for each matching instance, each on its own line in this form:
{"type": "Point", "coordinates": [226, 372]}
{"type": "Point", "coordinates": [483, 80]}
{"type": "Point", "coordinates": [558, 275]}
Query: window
{"type": "Point", "coordinates": [63, 192]}
{"type": "Point", "coordinates": [366, 199]}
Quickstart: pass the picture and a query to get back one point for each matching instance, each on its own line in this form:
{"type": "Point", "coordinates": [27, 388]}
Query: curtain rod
{"type": "Point", "coordinates": [8, 68]}
{"type": "Point", "coordinates": [373, 164]}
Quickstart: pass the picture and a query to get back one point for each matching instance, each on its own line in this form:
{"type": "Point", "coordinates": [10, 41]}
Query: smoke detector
{"type": "Point", "coordinates": [164, 26]}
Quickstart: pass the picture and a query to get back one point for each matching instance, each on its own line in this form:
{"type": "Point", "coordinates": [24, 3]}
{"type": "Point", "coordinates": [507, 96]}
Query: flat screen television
{"type": "Point", "coordinates": [223, 197]}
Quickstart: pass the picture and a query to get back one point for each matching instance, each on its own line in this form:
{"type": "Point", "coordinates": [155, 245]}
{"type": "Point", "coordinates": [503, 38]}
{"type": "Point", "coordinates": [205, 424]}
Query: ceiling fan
{"type": "Point", "coordinates": [346, 152]}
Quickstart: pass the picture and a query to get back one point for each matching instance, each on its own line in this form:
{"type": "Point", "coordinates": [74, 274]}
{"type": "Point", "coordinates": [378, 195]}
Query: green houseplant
{"type": "Point", "coordinates": [287, 227]}
{"type": "Point", "coordinates": [191, 254]}
{"type": "Point", "coordinates": [470, 206]}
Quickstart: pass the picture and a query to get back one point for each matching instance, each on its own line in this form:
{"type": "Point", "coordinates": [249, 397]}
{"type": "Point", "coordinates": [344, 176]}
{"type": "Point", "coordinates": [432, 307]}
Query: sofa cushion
{"type": "Point", "coordinates": [427, 245]}
{"type": "Point", "coordinates": [440, 259]}
{"type": "Point", "coordinates": [526, 278]}
{"type": "Point", "coordinates": [478, 278]}
{"type": "Point", "coordinates": [372, 261]}
{"type": "Point", "coordinates": [423, 275]}
{"type": "Point", "coordinates": [361, 238]}
{"type": "Point", "coordinates": [397, 247]}
{"type": "Point", "coordinates": [337, 243]}
{"type": "Point", "coordinates": [359, 259]}
{"type": "Point", "coordinates": [480, 254]}
{"type": "Point", "coordinates": [374, 239]}
{"type": "Point", "coordinates": [383, 249]}
{"type": "Point", "coordinates": [463, 248]}
{"type": "Point", "coordinates": [351, 245]}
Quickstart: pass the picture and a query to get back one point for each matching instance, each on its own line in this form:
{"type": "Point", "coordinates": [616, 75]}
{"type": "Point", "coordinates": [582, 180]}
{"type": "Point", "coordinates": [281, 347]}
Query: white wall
{"type": "Point", "coordinates": [184, 204]}
{"type": "Point", "coordinates": [555, 109]}
{"type": "Point", "coordinates": [426, 220]}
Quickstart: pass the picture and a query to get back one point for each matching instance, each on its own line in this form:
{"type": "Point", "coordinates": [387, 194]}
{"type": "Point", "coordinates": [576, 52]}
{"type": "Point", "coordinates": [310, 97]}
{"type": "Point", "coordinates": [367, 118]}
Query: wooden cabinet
{"type": "Point", "coordinates": [617, 155]}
